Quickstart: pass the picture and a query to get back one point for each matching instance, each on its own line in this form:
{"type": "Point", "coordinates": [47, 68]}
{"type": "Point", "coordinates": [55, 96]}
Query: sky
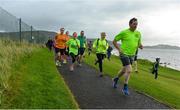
{"type": "Point", "coordinates": [158, 20]}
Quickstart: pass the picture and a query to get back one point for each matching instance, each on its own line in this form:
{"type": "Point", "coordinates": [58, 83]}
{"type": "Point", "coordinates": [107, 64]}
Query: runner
{"type": "Point", "coordinates": [60, 47]}
{"type": "Point", "coordinates": [82, 40]}
{"type": "Point", "coordinates": [155, 68]}
{"type": "Point", "coordinates": [109, 50]}
{"type": "Point", "coordinates": [67, 48]}
{"type": "Point", "coordinates": [89, 47]}
{"type": "Point", "coordinates": [73, 45]}
{"type": "Point", "coordinates": [49, 44]}
{"type": "Point", "coordinates": [101, 45]}
{"type": "Point", "coordinates": [131, 40]}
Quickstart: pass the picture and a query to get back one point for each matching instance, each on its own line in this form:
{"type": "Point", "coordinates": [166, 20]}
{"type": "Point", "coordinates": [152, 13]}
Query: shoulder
{"type": "Point", "coordinates": [125, 31]}
{"type": "Point", "coordinates": [78, 40]}
{"type": "Point", "coordinates": [138, 33]}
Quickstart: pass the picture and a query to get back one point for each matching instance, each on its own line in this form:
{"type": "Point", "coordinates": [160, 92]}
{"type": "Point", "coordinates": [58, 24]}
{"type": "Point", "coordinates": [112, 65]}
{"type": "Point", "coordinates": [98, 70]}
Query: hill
{"type": "Point", "coordinates": [39, 36]}
{"type": "Point", "coordinates": [163, 46]}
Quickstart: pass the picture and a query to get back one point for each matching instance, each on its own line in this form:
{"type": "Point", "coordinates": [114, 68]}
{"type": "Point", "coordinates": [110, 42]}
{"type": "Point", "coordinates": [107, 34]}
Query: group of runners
{"type": "Point", "coordinates": [75, 45]}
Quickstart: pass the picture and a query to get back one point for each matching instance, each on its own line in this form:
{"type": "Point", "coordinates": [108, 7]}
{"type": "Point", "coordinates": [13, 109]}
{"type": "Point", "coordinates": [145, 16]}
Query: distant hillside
{"type": "Point", "coordinates": [162, 46]}
{"type": "Point", "coordinates": [39, 36]}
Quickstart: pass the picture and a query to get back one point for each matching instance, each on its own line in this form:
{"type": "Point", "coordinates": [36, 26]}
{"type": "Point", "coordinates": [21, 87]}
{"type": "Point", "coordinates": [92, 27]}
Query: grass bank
{"type": "Point", "coordinates": [165, 89]}
{"type": "Point", "coordinates": [34, 82]}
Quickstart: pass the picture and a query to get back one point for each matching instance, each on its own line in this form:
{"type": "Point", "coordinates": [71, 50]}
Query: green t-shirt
{"type": "Point", "coordinates": [82, 40]}
{"type": "Point", "coordinates": [73, 45]}
{"type": "Point", "coordinates": [102, 46]}
{"type": "Point", "coordinates": [129, 41]}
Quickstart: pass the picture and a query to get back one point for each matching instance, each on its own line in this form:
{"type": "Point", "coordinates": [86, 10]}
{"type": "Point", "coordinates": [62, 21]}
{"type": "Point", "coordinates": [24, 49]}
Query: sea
{"type": "Point", "coordinates": [168, 57]}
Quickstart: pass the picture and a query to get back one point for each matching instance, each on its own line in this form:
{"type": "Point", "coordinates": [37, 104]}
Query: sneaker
{"type": "Point", "coordinates": [64, 61]}
{"type": "Point", "coordinates": [57, 63]}
{"type": "Point", "coordinates": [71, 68]}
{"type": "Point", "coordinates": [136, 71]}
{"type": "Point", "coordinates": [115, 81]}
{"type": "Point", "coordinates": [125, 90]}
{"type": "Point", "coordinates": [80, 64]}
{"type": "Point", "coordinates": [101, 75]}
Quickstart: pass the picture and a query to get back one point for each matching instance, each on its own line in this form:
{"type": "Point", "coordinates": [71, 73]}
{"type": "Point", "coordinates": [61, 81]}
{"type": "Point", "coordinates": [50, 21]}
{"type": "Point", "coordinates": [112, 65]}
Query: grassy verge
{"type": "Point", "coordinates": [165, 89]}
{"type": "Point", "coordinates": [11, 52]}
{"type": "Point", "coordinates": [36, 83]}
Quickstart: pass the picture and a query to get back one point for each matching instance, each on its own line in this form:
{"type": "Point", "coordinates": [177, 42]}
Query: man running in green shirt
{"type": "Point", "coordinates": [101, 46]}
{"type": "Point", "coordinates": [130, 41]}
{"type": "Point", "coordinates": [82, 48]}
{"type": "Point", "coordinates": [73, 45]}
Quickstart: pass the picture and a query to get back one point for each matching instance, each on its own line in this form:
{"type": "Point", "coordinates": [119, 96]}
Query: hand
{"type": "Point", "coordinates": [141, 46]}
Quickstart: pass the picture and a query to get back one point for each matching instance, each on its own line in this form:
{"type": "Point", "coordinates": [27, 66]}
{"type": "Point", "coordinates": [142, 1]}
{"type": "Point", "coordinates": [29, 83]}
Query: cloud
{"type": "Point", "coordinates": [95, 16]}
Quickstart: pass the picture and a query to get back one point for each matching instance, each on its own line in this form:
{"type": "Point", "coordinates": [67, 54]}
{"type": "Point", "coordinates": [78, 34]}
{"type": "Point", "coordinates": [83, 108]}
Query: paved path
{"type": "Point", "coordinates": [91, 91]}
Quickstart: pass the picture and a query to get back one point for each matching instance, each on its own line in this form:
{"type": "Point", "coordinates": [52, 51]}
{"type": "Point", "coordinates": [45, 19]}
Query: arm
{"type": "Point", "coordinates": [78, 43]}
{"type": "Point", "coordinates": [116, 46]}
{"type": "Point", "coordinates": [94, 44]}
{"type": "Point", "coordinates": [118, 37]}
{"type": "Point", "coordinates": [139, 43]}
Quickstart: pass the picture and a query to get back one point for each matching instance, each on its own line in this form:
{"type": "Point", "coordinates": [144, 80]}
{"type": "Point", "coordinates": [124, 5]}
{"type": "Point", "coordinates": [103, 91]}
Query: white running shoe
{"type": "Point", "coordinates": [64, 61]}
{"type": "Point", "coordinates": [57, 62]}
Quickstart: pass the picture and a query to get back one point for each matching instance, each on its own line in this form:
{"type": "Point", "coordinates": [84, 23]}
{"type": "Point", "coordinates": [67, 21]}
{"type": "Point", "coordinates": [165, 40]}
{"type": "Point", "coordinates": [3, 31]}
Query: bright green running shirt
{"type": "Point", "coordinates": [73, 45]}
{"type": "Point", "coordinates": [129, 41]}
{"type": "Point", "coordinates": [82, 40]}
{"type": "Point", "coordinates": [101, 46]}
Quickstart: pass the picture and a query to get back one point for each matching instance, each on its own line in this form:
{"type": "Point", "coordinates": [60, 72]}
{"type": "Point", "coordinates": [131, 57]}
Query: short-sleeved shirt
{"type": "Point", "coordinates": [60, 41]}
{"type": "Point", "coordinates": [82, 40]}
{"type": "Point", "coordinates": [130, 41]}
{"type": "Point", "coordinates": [101, 46]}
{"type": "Point", "coordinates": [67, 38]}
{"type": "Point", "coordinates": [73, 45]}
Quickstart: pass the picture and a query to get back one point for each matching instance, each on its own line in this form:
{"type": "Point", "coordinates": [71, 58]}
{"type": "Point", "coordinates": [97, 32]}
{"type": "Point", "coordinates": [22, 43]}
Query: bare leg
{"type": "Point", "coordinates": [128, 72]}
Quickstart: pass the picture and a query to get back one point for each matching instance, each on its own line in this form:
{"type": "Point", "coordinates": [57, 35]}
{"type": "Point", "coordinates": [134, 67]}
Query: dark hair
{"type": "Point", "coordinates": [157, 59]}
{"type": "Point", "coordinates": [132, 20]}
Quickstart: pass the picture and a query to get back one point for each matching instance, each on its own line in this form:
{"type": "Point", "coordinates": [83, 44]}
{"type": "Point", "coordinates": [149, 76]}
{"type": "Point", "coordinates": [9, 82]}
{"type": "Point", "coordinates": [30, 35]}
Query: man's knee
{"type": "Point", "coordinates": [128, 69]}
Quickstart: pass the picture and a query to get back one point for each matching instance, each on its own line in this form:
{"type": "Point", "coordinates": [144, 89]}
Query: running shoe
{"type": "Point", "coordinates": [125, 90]}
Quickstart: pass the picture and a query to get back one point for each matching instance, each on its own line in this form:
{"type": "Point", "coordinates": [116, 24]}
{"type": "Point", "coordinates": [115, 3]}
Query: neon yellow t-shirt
{"type": "Point", "coordinates": [129, 41]}
{"type": "Point", "coordinates": [73, 45]}
{"type": "Point", "coordinates": [101, 46]}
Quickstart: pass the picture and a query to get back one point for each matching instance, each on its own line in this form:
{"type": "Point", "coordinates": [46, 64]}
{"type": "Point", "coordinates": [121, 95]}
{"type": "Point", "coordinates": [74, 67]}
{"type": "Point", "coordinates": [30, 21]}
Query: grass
{"type": "Point", "coordinates": [11, 52]}
{"type": "Point", "coordinates": [34, 82]}
{"type": "Point", "coordinates": [165, 89]}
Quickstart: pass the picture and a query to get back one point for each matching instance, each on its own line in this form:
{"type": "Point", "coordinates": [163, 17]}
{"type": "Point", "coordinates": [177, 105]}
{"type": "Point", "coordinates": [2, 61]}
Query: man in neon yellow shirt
{"type": "Point", "coordinates": [73, 45]}
{"type": "Point", "coordinates": [130, 41]}
{"type": "Point", "coordinates": [101, 46]}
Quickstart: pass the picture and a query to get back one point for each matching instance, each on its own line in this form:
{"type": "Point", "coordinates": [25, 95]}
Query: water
{"type": "Point", "coordinates": [169, 57]}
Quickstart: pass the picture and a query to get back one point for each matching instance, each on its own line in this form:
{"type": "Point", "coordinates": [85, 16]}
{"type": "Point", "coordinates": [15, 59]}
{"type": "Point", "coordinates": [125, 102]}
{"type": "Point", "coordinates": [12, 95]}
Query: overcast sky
{"type": "Point", "coordinates": [159, 20]}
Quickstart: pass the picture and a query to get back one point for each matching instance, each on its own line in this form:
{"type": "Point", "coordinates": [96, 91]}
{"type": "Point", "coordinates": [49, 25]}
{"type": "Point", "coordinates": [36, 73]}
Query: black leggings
{"type": "Point", "coordinates": [100, 58]}
{"type": "Point", "coordinates": [73, 57]}
{"type": "Point", "coordinates": [156, 73]}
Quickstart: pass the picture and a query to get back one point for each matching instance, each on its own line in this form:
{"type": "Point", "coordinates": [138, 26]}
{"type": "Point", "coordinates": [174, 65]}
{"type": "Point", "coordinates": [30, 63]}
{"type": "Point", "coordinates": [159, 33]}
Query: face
{"type": "Point", "coordinates": [133, 25]}
{"type": "Point", "coordinates": [103, 35]}
{"type": "Point", "coordinates": [67, 32]}
{"type": "Point", "coordinates": [75, 35]}
{"type": "Point", "coordinates": [82, 33]}
{"type": "Point", "coordinates": [62, 30]}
